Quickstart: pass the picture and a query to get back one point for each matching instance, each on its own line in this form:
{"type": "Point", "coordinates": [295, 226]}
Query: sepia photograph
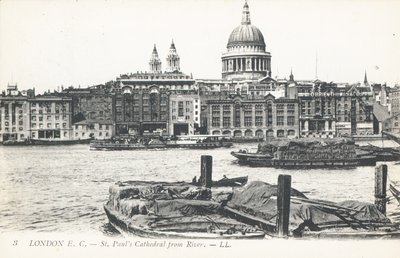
{"type": "Point", "coordinates": [199, 128]}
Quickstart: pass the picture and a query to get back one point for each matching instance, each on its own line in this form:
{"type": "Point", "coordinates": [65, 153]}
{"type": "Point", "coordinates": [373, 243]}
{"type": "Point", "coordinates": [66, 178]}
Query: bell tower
{"type": "Point", "coordinates": [155, 62]}
{"type": "Point", "coordinates": [173, 59]}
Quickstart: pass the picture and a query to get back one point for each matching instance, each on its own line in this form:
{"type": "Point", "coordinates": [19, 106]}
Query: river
{"type": "Point", "coordinates": [63, 188]}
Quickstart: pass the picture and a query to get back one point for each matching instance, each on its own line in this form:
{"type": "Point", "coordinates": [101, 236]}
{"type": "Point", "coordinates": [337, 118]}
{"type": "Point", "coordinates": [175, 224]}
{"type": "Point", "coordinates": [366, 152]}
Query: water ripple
{"type": "Point", "coordinates": [65, 189]}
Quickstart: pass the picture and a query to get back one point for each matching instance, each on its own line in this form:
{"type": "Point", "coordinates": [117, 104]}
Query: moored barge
{"type": "Point", "coordinates": [307, 153]}
{"type": "Point", "coordinates": [171, 210]}
{"type": "Point", "coordinates": [189, 142]}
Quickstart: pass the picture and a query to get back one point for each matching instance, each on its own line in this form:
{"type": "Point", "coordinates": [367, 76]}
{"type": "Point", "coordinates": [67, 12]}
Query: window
{"type": "Point", "coordinates": [83, 134]}
{"type": "Point", "coordinates": [41, 126]}
{"type": "Point", "coordinates": [226, 122]}
{"type": "Point", "coordinates": [33, 118]}
{"type": "Point", "coordinates": [180, 108]}
{"type": "Point", "coordinates": [48, 117]}
{"type": "Point", "coordinates": [107, 127]}
{"type": "Point", "coordinates": [64, 125]}
{"type": "Point", "coordinates": [21, 128]}
{"type": "Point", "coordinates": [106, 133]}
{"type": "Point", "coordinates": [248, 121]}
{"type": "Point", "coordinates": [33, 125]}
{"type": "Point", "coordinates": [215, 122]}
{"type": "Point", "coordinates": [40, 118]}
{"type": "Point", "coordinates": [100, 134]}
{"type": "Point", "coordinates": [290, 120]}
{"type": "Point", "coordinates": [259, 120]}
{"type": "Point", "coordinates": [21, 122]}
{"type": "Point", "coordinates": [76, 134]}
{"type": "Point", "coordinates": [279, 120]}
{"type": "Point", "coordinates": [226, 107]}
{"type": "Point", "coordinates": [57, 125]}
{"type": "Point", "coordinates": [64, 117]}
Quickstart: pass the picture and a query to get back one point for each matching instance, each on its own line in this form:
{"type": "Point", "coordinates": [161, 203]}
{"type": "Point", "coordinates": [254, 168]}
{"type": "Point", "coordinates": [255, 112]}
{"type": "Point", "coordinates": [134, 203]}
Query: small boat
{"type": "Point", "coordinates": [395, 192]}
{"type": "Point", "coordinates": [59, 141]}
{"type": "Point", "coordinates": [171, 210]}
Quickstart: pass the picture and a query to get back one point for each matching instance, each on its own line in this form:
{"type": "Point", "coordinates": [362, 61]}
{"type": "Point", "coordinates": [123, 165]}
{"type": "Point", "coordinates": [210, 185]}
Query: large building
{"type": "Point", "coordinates": [50, 117]}
{"type": "Point", "coordinates": [14, 114]}
{"type": "Point", "coordinates": [246, 57]}
{"type": "Point", "coordinates": [141, 100]}
{"type": "Point", "coordinates": [184, 114]}
{"type": "Point", "coordinates": [92, 103]}
{"type": "Point", "coordinates": [251, 116]}
{"type": "Point", "coordinates": [329, 109]}
{"type": "Point", "coordinates": [26, 116]}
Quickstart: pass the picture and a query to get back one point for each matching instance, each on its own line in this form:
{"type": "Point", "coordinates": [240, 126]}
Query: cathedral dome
{"type": "Point", "coordinates": [246, 34]}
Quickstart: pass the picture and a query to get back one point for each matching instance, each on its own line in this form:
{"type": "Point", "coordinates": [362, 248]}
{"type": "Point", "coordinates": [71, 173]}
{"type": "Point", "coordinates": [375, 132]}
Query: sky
{"type": "Point", "coordinates": [47, 43]}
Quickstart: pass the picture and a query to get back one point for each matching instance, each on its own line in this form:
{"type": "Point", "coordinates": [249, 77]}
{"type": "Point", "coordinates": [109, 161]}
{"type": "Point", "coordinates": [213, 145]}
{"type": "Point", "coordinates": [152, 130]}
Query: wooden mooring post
{"type": "Point", "coordinates": [206, 171]}
{"type": "Point", "coordinates": [380, 187]}
{"type": "Point", "coordinates": [283, 203]}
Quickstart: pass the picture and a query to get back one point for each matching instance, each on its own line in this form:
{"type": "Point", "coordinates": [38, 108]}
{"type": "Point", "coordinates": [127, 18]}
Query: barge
{"type": "Point", "coordinates": [256, 204]}
{"type": "Point", "coordinates": [311, 153]}
{"type": "Point", "coordinates": [50, 141]}
{"type": "Point", "coordinates": [171, 210]}
{"type": "Point", "coordinates": [182, 210]}
{"type": "Point", "coordinates": [189, 142]}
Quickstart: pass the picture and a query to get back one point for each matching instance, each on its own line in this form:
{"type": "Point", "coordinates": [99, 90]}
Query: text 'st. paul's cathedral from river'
{"type": "Point", "coordinates": [246, 57]}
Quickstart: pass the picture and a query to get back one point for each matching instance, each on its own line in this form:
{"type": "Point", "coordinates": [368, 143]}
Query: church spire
{"type": "Point", "coordinates": [173, 59]}
{"type": "Point", "coordinates": [365, 78]}
{"type": "Point", "coordinates": [246, 14]}
{"type": "Point", "coordinates": [155, 62]}
{"type": "Point", "coordinates": [291, 77]}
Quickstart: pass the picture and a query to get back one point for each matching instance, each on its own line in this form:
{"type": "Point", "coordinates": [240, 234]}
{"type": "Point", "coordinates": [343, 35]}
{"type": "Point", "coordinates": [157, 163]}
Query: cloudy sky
{"type": "Point", "coordinates": [48, 43]}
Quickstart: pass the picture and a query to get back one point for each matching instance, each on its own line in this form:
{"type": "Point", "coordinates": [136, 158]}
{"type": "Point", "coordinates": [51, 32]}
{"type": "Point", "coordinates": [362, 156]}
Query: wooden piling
{"type": "Point", "coordinates": [380, 187]}
{"type": "Point", "coordinates": [283, 205]}
{"type": "Point", "coordinates": [206, 171]}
